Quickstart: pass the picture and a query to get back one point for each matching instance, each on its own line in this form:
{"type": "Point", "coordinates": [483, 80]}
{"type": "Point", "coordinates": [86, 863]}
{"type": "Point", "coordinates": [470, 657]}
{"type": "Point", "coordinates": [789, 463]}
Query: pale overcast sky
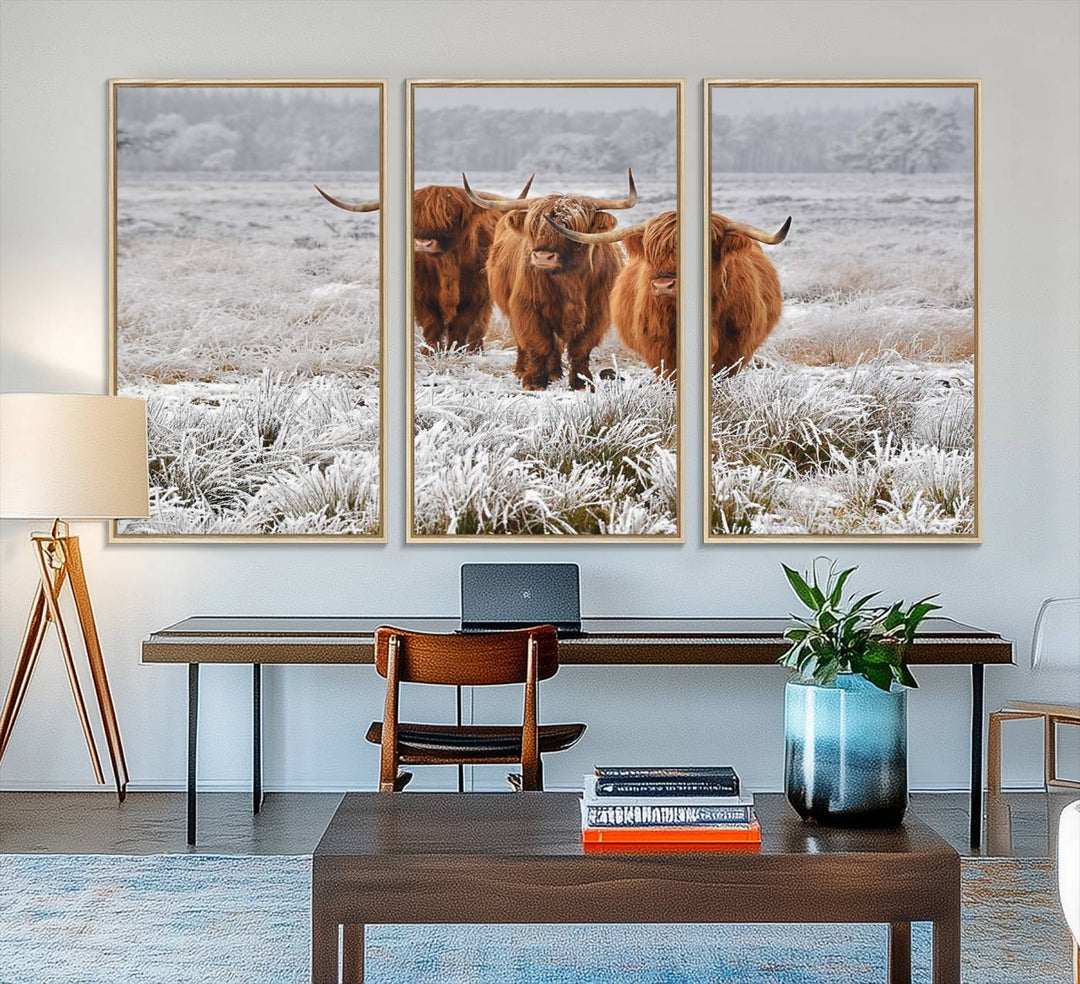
{"type": "Point", "coordinates": [610, 98]}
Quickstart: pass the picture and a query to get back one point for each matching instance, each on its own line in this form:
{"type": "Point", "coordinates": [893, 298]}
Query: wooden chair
{"type": "Point", "coordinates": [1055, 644]}
{"type": "Point", "coordinates": [485, 659]}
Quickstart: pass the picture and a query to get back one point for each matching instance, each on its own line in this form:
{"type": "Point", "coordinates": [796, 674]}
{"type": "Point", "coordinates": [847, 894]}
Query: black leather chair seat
{"type": "Point", "coordinates": [474, 742]}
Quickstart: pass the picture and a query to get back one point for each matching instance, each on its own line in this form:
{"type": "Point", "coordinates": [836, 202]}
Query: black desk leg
{"type": "Point", "coordinates": [256, 738]}
{"type": "Point", "coordinates": [461, 767]}
{"type": "Point", "coordinates": [192, 747]}
{"type": "Point", "coordinates": [976, 753]}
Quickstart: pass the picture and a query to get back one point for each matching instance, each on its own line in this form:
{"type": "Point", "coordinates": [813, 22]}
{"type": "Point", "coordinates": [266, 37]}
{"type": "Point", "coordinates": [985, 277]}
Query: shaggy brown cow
{"type": "Point", "coordinates": [556, 293]}
{"type": "Point", "coordinates": [746, 296]}
{"type": "Point", "coordinates": [644, 300]}
{"type": "Point", "coordinates": [745, 289]}
{"type": "Point", "coordinates": [451, 239]}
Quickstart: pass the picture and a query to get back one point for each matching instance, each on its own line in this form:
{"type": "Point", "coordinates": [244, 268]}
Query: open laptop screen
{"type": "Point", "coordinates": [507, 596]}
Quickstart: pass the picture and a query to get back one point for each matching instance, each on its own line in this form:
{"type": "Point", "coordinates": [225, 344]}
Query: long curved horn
{"type": "Point", "coordinates": [611, 236]}
{"type": "Point", "coordinates": [358, 207]}
{"type": "Point", "coordinates": [491, 196]}
{"type": "Point", "coordinates": [616, 203]}
{"type": "Point", "coordinates": [528, 185]}
{"type": "Point", "coordinates": [769, 239]}
{"type": "Point", "coordinates": [495, 203]}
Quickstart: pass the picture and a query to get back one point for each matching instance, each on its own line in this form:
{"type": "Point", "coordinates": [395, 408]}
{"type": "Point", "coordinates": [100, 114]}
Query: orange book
{"type": "Point", "coordinates": [749, 834]}
{"type": "Point", "coordinates": [639, 848]}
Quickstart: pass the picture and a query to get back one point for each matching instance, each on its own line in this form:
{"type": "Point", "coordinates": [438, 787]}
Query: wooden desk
{"type": "Point", "coordinates": [606, 641]}
{"type": "Point", "coordinates": [517, 858]}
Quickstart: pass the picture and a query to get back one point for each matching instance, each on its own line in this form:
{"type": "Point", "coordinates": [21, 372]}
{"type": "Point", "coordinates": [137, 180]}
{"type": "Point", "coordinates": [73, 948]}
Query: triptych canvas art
{"type": "Point", "coordinates": [546, 341]}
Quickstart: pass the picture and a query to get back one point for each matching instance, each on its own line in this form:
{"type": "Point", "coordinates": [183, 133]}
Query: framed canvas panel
{"type": "Point", "coordinates": [544, 311]}
{"type": "Point", "coordinates": [247, 309]}
{"type": "Point", "coordinates": [842, 290]}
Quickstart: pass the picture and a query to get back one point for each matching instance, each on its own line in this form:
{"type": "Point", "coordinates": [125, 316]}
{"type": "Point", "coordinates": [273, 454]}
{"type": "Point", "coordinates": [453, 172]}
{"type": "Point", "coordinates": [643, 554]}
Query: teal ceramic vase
{"type": "Point", "coordinates": [846, 752]}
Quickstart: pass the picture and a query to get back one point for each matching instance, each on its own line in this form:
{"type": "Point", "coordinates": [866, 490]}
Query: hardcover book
{"type": "Point", "coordinates": [739, 834]}
{"type": "Point", "coordinates": [667, 781]}
{"type": "Point", "coordinates": [618, 787]}
{"type": "Point", "coordinates": [666, 816]}
{"type": "Point", "coordinates": [667, 773]}
{"type": "Point", "coordinates": [717, 799]}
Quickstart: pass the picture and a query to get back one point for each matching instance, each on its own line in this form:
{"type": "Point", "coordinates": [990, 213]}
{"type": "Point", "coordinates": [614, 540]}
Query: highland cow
{"type": "Point", "coordinates": [451, 239]}
{"type": "Point", "coordinates": [555, 292]}
{"type": "Point", "coordinates": [745, 290]}
{"type": "Point", "coordinates": [644, 299]}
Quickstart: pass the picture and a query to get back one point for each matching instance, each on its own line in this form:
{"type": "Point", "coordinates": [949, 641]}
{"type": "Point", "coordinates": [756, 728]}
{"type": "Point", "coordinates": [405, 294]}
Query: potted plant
{"type": "Point", "coordinates": [845, 713]}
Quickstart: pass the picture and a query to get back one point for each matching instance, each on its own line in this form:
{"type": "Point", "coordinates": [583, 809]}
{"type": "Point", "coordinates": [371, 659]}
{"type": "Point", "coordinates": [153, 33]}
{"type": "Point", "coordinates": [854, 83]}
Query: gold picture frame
{"type": "Point", "coordinates": [115, 86]}
{"type": "Point", "coordinates": [974, 534]}
{"type": "Point", "coordinates": [411, 534]}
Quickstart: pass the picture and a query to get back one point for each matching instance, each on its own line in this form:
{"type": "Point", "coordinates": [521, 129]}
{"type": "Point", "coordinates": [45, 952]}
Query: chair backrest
{"type": "Point", "coordinates": [1055, 643]}
{"type": "Point", "coordinates": [469, 660]}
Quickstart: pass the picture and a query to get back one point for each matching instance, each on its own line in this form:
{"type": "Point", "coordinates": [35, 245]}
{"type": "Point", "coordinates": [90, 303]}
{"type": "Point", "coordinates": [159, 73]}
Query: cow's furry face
{"type": "Point", "coordinates": [442, 216]}
{"type": "Point", "coordinates": [549, 251]}
{"type": "Point", "coordinates": [657, 244]}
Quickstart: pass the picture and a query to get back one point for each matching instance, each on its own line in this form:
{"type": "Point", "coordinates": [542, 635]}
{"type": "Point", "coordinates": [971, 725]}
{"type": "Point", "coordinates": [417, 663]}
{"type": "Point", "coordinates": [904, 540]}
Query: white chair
{"type": "Point", "coordinates": [1055, 645]}
{"type": "Point", "coordinates": [1069, 875]}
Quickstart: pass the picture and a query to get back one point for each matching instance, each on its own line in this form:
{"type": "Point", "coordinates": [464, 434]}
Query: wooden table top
{"type": "Point", "coordinates": [610, 640]}
{"type": "Point", "coordinates": [386, 827]}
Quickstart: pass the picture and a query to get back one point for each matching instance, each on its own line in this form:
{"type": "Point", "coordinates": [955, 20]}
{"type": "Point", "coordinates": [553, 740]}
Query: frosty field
{"type": "Point", "coordinates": [248, 318]}
{"type": "Point", "coordinates": [491, 458]}
{"type": "Point", "coordinates": [857, 415]}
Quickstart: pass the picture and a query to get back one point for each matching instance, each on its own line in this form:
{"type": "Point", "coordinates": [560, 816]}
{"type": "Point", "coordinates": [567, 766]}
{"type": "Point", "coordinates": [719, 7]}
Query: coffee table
{"type": "Point", "coordinates": [517, 858]}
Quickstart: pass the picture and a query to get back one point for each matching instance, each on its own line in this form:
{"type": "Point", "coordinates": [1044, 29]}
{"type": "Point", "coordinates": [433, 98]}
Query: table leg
{"type": "Point", "coordinates": [324, 949]}
{"type": "Point", "coordinates": [976, 805]}
{"type": "Point", "coordinates": [256, 738]}
{"type": "Point", "coordinates": [192, 748]}
{"type": "Point", "coordinates": [461, 766]}
{"type": "Point", "coordinates": [352, 954]}
{"type": "Point", "coordinates": [900, 953]}
{"type": "Point", "coordinates": [947, 950]}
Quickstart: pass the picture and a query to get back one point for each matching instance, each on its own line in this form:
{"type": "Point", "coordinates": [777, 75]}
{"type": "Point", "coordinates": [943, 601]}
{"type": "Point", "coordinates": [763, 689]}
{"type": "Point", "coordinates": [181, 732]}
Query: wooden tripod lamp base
{"type": "Point", "coordinates": [59, 561]}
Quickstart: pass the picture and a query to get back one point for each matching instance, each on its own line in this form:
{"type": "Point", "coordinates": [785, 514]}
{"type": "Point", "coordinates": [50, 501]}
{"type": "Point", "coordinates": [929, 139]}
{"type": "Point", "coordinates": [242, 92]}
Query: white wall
{"type": "Point", "coordinates": [55, 60]}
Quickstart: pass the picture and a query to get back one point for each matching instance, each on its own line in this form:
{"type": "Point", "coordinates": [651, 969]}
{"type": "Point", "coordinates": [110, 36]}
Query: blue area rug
{"type": "Point", "coordinates": [173, 919]}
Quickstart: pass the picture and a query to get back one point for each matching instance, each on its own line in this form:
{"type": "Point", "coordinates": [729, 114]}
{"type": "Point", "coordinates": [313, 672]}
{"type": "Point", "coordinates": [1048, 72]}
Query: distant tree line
{"type": "Point", "coordinates": [291, 131]}
{"type": "Point", "coordinates": [908, 138]}
{"type": "Point", "coordinates": [162, 129]}
{"type": "Point", "coordinates": [549, 142]}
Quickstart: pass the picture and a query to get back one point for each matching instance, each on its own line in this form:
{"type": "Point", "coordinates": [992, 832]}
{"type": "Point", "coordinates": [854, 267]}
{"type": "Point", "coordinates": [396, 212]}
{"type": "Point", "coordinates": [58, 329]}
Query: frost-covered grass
{"type": "Point", "coordinates": [857, 415]}
{"type": "Point", "coordinates": [248, 318]}
{"type": "Point", "coordinates": [490, 458]}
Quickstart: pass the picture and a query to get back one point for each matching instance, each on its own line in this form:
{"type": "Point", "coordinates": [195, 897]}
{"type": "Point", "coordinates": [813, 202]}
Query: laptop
{"type": "Point", "coordinates": [496, 597]}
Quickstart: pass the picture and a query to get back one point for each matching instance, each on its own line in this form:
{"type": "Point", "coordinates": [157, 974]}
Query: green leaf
{"type": "Point", "coordinates": [903, 676]}
{"type": "Point", "coordinates": [862, 601]}
{"type": "Point", "coordinates": [880, 676]}
{"type": "Point", "coordinates": [920, 610]}
{"type": "Point", "coordinates": [800, 587]}
{"type": "Point", "coordinates": [877, 653]}
{"type": "Point", "coordinates": [837, 592]}
{"type": "Point", "coordinates": [826, 673]}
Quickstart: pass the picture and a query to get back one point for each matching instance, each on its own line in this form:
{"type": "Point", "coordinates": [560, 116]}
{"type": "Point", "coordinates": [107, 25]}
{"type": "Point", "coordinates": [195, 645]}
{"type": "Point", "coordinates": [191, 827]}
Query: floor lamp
{"type": "Point", "coordinates": [79, 457]}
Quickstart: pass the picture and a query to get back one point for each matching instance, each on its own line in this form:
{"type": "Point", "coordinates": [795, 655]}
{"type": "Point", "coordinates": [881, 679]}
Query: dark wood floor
{"type": "Point", "coordinates": [1022, 824]}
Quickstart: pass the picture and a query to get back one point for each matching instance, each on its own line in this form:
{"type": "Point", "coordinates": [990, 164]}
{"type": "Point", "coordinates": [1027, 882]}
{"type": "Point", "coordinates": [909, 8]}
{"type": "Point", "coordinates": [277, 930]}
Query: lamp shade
{"type": "Point", "coordinates": [73, 456]}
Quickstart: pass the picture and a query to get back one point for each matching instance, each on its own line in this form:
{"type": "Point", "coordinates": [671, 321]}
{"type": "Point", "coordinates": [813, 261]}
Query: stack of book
{"type": "Point", "coordinates": [654, 806]}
